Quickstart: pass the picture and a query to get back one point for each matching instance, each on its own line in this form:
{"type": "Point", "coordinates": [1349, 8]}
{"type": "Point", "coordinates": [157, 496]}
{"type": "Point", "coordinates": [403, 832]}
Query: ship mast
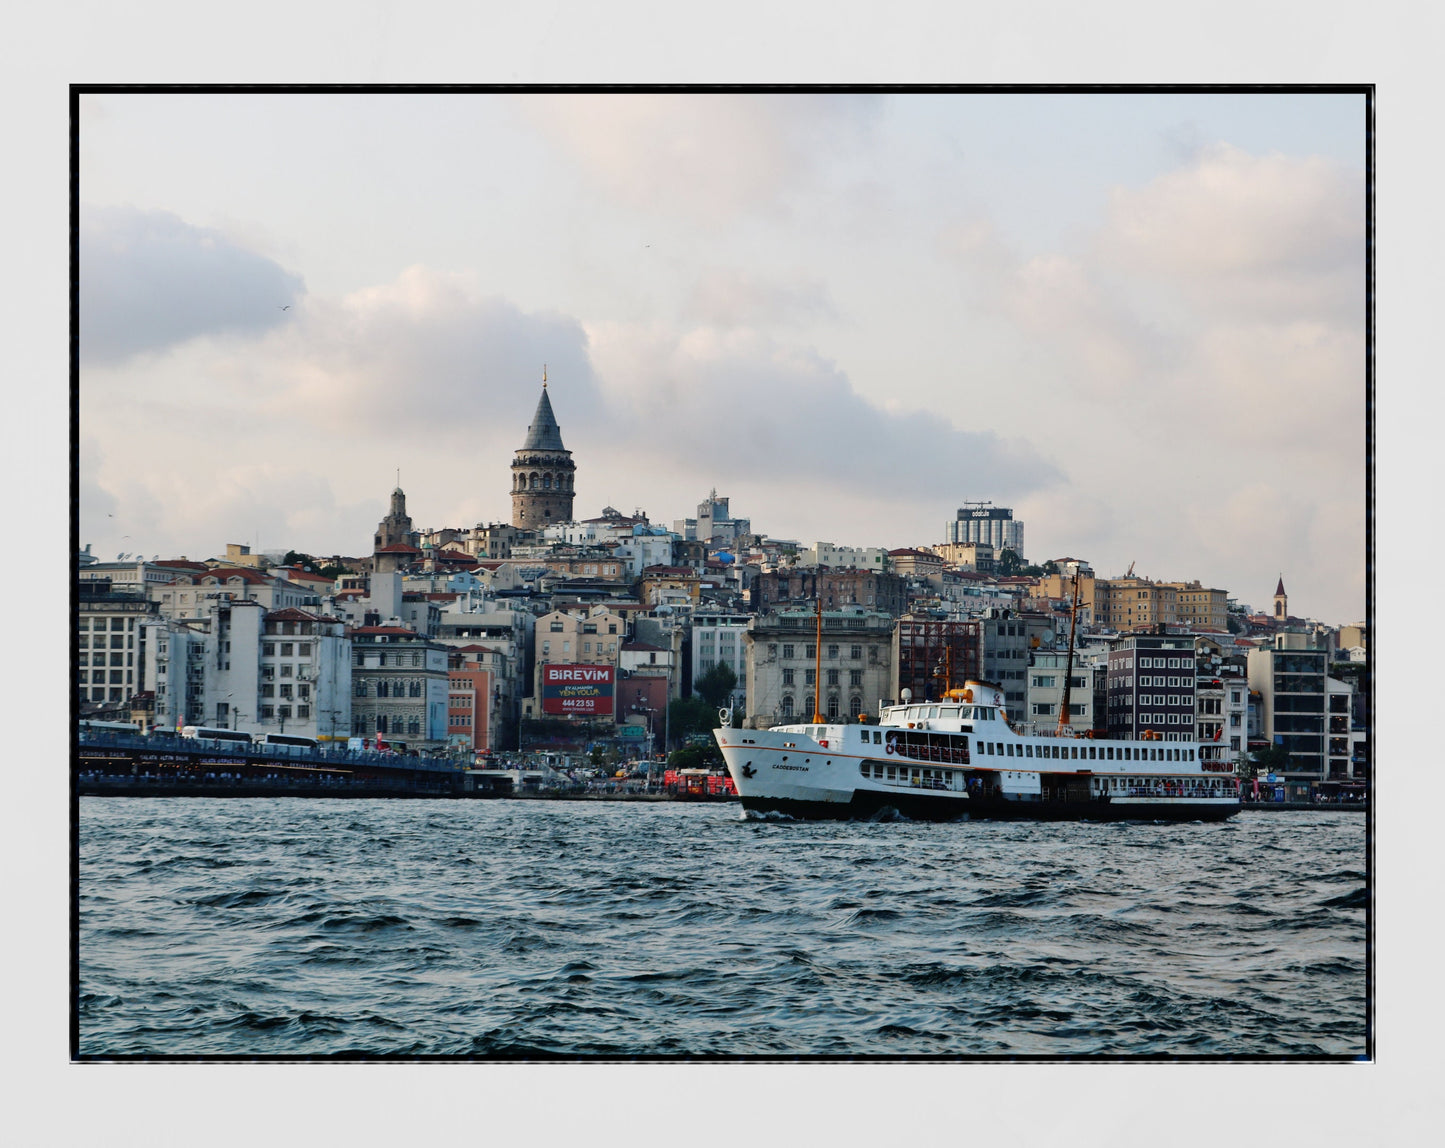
{"type": "Point", "coordinates": [1069, 662]}
{"type": "Point", "coordinates": [818, 660]}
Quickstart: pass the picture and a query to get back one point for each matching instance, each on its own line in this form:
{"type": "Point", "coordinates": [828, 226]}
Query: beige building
{"type": "Point", "coordinates": [1134, 603]}
{"type": "Point", "coordinates": [664, 585]}
{"type": "Point", "coordinates": [574, 638]}
{"type": "Point", "coordinates": [1062, 586]}
{"type": "Point", "coordinates": [1138, 603]}
{"type": "Point", "coordinates": [1200, 606]}
{"type": "Point", "coordinates": [921, 562]}
{"type": "Point", "coordinates": [780, 653]}
{"type": "Point", "coordinates": [975, 556]}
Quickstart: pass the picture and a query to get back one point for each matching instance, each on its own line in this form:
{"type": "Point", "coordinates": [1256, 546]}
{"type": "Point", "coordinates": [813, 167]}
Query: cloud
{"type": "Point", "coordinates": [150, 281]}
{"type": "Point", "coordinates": [702, 157]}
{"type": "Point", "coordinates": [426, 355]}
{"type": "Point", "coordinates": [731, 298]}
{"type": "Point", "coordinates": [727, 402]}
{"type": "Point", "coordinates": [1274, 236]}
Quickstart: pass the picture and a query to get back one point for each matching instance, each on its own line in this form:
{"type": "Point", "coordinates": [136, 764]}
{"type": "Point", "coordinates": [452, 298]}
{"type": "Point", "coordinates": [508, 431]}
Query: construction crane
{"type": "Point", "coordinates": [1130, 572]}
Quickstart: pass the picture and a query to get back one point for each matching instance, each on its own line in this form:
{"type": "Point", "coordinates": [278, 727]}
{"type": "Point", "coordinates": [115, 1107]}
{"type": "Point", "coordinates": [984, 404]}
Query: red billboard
{"type": "Point", "coordinates": [585, 690]}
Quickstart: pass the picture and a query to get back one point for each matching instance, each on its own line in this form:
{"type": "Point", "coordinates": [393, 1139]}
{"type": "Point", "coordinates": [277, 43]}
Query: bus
{"type": "Point", "coordinates": [288, 739]}
{"type": "Point", "coordinates": [87, 725]}
{"type": "Point", "coordinates": [206, 733]}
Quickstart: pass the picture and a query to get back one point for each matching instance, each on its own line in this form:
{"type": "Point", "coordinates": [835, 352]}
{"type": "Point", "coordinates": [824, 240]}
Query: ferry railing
{"type": "Point", "coordinates": [1177, 791]}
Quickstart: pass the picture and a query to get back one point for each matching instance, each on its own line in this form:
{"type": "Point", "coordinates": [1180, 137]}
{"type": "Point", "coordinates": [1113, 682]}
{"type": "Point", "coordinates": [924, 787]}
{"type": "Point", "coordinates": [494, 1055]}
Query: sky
{"type": "Point", "coordinates": [1135, 319]}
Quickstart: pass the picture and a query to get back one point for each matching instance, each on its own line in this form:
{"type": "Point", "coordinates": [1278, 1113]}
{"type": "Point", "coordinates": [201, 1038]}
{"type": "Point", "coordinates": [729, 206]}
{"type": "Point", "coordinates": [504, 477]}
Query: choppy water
{"type": "Point", "coordinates": [520, 928]}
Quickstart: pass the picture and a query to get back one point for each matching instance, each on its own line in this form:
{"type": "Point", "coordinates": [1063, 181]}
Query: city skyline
{"type": "Point", "coordinates": [1138, 320]}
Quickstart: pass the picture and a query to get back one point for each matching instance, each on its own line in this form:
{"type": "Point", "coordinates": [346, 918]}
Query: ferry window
{"type": "Point", "coordinates": [1093, 753]}
{"type": "Point", "coordinates": [892, 774]}
{"type": "Point", "coordinates": [1008, 749]}
{"type": "Point", "coordinates": [1028, 750]}
{"type": "Point", "coordinates": [877, 737]}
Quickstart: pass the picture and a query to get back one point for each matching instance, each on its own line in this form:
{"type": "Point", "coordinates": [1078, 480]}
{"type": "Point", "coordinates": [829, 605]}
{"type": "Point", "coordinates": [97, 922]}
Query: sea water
{"type": "Point", "coordinates": [520, 928]}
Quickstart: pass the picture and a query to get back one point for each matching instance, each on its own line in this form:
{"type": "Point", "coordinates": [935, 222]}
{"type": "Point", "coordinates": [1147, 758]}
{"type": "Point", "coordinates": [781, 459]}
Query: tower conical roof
{"type": "Point", "coordinates": [1279, 590]}
{"type": "Point", "coordinates": [544, 433]}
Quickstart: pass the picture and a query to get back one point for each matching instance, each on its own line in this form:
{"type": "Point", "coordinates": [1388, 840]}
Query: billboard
{"type": "Point", "coordinates": [585, 690]}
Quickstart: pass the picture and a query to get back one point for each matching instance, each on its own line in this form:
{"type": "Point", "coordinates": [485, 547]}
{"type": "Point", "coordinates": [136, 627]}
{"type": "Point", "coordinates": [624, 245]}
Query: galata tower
{"type": "Point", "coordinates": [542, 472]}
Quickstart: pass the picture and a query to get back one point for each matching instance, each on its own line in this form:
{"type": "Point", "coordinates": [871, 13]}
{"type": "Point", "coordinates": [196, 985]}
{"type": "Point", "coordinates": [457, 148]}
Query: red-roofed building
{"type": "Point", "coordinates": [196, 594]}
{"type": "Point", "coordinates": [921, 562]}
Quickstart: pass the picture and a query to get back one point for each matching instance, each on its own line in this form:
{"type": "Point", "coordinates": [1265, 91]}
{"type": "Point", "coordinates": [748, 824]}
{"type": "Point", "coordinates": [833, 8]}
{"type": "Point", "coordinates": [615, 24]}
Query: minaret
{"type": "Point", "coordinates": [542, 472]}
{"type": "Point", "coordinates": [1281, 603]}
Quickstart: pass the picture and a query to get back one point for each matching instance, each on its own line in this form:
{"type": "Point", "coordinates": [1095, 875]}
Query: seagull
{"type": "Point", "coordinates": [287, 307]}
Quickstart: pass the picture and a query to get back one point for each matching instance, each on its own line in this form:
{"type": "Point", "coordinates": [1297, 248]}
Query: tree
{"type": "Point", "coordinates": [695, 757]}
{"type": "Point", "coordinates": [716, 686]}
{"type": "Point", "coordinates": [1271, 759]}
{"type": "Point", "coordinates": [296, 558]}
{"type": "Point", "coordinates": [690, 715]}
{"type": "Point", "coordinates": [1009, 563]}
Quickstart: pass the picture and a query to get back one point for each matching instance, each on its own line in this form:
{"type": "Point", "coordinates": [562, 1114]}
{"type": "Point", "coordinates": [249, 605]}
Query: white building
{"type": "Point", "coordinates": [1046, 689]}
{"type": "Point", "coordinates": [175, 670]}
{"type": "Point", "coordinates": [194, 594]}
{"type": "Point", "coordinates": [110, 655]}
{"type": "Point", "coordinates": [305, 667]}
{"type": "Point", "coordinates": [646, 546]}
{"type": "Point", "coordinates": [718, 637]}
{"type": "Point", "coordinates": [1221, 704]}
{"type": "Point", "coordinates": [984, 522]}
{"type": "Point", "coordinates": [840, 557]}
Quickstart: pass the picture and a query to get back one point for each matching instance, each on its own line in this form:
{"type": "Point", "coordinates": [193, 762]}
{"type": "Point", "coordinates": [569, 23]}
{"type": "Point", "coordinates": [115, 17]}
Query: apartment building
{"type": "Point", "coordinates": [782, 662]}
{"type": "Point", "coordinates": [1150, 688]}
{"type": "Point", "coordinates": [399, 686]}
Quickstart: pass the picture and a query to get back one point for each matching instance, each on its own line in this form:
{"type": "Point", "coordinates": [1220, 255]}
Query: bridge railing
{"type": "Point", "coordinates": [326, 755]}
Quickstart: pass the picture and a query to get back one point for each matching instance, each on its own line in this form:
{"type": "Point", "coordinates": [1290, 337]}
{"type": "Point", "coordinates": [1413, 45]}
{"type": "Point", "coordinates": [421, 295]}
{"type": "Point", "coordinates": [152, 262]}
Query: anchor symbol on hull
{"type": "Point", "coordinates": [748, 770]}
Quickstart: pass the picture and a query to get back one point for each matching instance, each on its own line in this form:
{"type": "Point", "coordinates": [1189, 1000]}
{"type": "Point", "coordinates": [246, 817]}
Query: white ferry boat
{"type": "Point", "coordinates": [962, 758]}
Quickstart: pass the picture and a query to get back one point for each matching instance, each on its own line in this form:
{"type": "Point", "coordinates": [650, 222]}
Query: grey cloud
{"type": "Point", "coordinates": [792, 418]}
{"type": "Point", "coordinates": [424, 356]}
{"type": "Point", "coordinates": [149, 280]}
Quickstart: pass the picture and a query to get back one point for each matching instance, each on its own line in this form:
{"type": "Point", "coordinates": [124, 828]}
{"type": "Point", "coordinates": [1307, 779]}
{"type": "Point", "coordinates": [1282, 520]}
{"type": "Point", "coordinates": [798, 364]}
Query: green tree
{"type": "Point", "coordinates": [695, 757]}
{"type": "Point", "coordinates": [1009, 563]}
{"type": "Point", "coordinates": [1270, 759]}
{"type": "Point", "coordinates": [296, 558]}
{"type": "Point", "coordinates": [716, 686]}
{"type": "Point", "coordinates": [690, 715]}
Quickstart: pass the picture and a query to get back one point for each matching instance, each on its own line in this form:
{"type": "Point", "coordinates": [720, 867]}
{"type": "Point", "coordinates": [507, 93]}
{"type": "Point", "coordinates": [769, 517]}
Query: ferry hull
{"type": "Point", "coordinates": [868, 805]}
